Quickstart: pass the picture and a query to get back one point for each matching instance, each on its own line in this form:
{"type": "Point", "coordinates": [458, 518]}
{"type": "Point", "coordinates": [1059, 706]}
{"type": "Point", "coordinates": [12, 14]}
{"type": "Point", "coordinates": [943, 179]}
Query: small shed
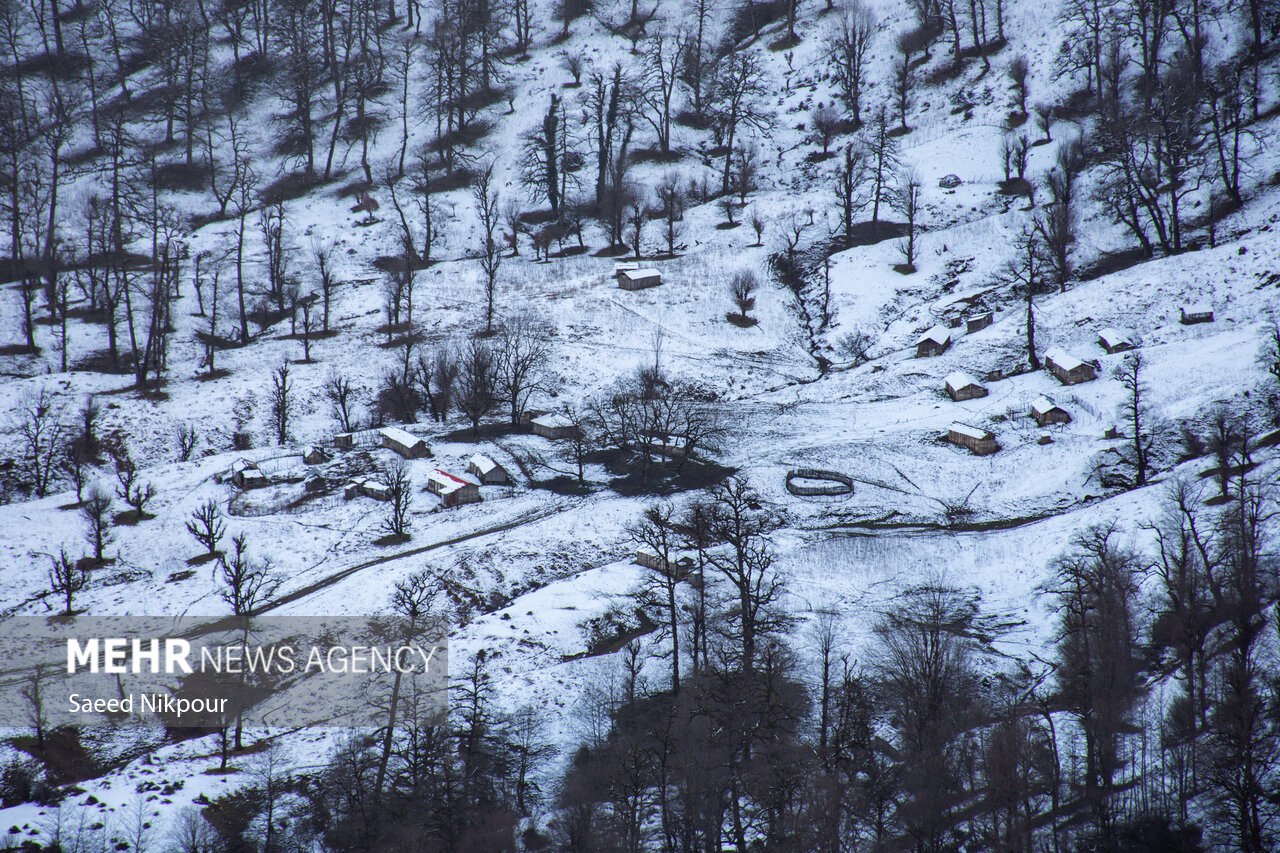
{"type": "Point", "coordinates": [639, 279]}
{"type": "Point", "coordinates": [344, 440]}
{"type": "Point", "coordinates": [979, 441]}
{"type": "Point", "coordinates": [1046, 412]}
{"type": "Point", "coordinates": [452, 489]}
{"type": "Point", "coordinates": [252, 478]}
{"type": "Point", "coordinates": [665, 444]}
{"type": "Point", "coordinates": [650, 560]}
{"type": "Point", "coordinates": [1068, 369]}
{"type": "Point", "coordinates": [314, 483]}
{"type": "Point", "coordinates": [377, 491]}
{"type": "Point", "coordinates": [314, 455]}
{"type": "Point", "coordinates": [962, 386]}
{"type": "Point", "coordinates": [554, 426]}
{"type": "Point", "coordinates": [1115, 340]}
{"type": "Point", "coordinates": [624, 266]}
{"type": "Point", "coordinates": [1199, 313]}
{"type": "Point", "coordinates": [488, 472]}
{"type": "Point", "coordinates": [978, 322]}
{"type": "Point", "coordinates": [354, 489]}
{"type": "Point", "coordinates": [933, 342]}
{"type": "Point", "coordinates": [405, 443]}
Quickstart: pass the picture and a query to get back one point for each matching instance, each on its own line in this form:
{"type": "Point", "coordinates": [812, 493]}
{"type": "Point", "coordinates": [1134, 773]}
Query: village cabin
{"type": "Point", "coordinates": [451, 489]}
{"type": "Point", "coordinates": [979, 441]}
{"type": "Point", "coordinates": [1044, 411]}
{"type": "Point", "coordinates": [313, 455]}
{"type": "Point", "coordinates": [1068, 369]}
{"type": "Point", "coordinates": [554, 426]}
{"type": "Point", "coordinates": [405, 443]}
{"type": "Point", "coordinates": [1193, 314]}
{"type": "Point", "coordinates": [933, 342]}
{"type": "Point", "coordinates": [252, 478]}
{"type": "Point", "coordinates": [344, 440]}
{"type": "Point", "coordinates": [1114, 340]}
{"type": "Point", "coordinates": [624, 266]}
{"type": "Point", "coordinates": [639, 279]}
{"type": "Point", "coordinates": [978, 322]}
{"type": "Point", "coordinates": [488, 472]}
{"type": "Point", "coordinates": [962, 386]}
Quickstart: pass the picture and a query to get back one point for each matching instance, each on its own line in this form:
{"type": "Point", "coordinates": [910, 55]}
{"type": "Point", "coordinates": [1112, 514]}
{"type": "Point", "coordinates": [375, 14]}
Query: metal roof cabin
{"type": "Point", "coordinates": [553, 426]}
{"type": "Point", "coordinates": [978, 441]}
{"type": "Point", "coordinates": [933, 342]}
{"type": "Point", "coordinates": [487, 471]}
{"type": "Point", "coordinates": [978, 322]}
{"type": "Point", "coordinates": [1198, 313]}
{"type": "Point", "coordinates": [1046, 412]}
{"type": "Point", "coordinates": [962, 386]}
{"type": "Point", "coordinates": [639, 279]}
{"type": "Point", "coordinates": [452, 489]}
{"type": "Point", "coordinates": [1068, 369]}
{"type": "Point", "coordinates": [405, 443]}
{"type": "Point", "coordinates": [1114, 340]}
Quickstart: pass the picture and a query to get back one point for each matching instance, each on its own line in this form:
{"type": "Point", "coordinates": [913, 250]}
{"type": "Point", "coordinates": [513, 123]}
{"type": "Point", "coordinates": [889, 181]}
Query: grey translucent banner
{"type": "Point", "coordinates": [283, 671]}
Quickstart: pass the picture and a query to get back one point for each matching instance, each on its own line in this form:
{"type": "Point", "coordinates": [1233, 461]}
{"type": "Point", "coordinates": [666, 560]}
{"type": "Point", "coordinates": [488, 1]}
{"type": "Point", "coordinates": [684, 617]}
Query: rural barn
{"type": "Point", "coordinates": [624, 266]}
{"type": "Point", "coordinates": [639, 279]}
{"type": "Point", "coordinates": [1068, 369]}
{"type": "Point", "coordinates": [1046, 412]}
{"type": "Point", "coordinates": [452, 490]}
{"type": "Point", "coordinates": [488, 472]}
{"type": "Point", "coordinates": [553, 426]}
{"type": "Point", "coordinates": [962, 386]}
{"type": "Point", "coordinates": [406, 444]}
{"type": "Point", "coordinates": [1193, 314]}
{"type": "Point", "coordinates": [1114, 340]}
{"type": "Point", "coordinates": [981, 442]}
{"type": "Point", "coordinates": [933, 342]}
{"type": "Point", "coordinates": [978, 322]}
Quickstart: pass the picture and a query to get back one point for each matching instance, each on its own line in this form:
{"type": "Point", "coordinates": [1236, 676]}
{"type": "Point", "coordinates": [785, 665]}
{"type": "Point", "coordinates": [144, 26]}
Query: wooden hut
{"type": "Point", "coordinates": [1199, 313]}
{"type": "Point", "coordinates": [639, 279]}
{"type": "Point", "coordinates": [1046, 412]}
{"type": "Point", "coordinates": [1114, 340]}
{"type": "Point", "coordinates": [624, 266]}
{"type": "Point", "coordinates": [554, 426]}
{"type": "Point", "coordinates": [405, 443]}
{"type": "Point", "coordinates": [665, 444]}
{"type": "Point", "coordinates": [933, 342]}
{"type": "Point", "coordinates": [488, 472]}
{"type": "Point", "coordinates": [962, 386]}
{"type": "Point", "coordinates": [979, 441]}
{"type": "Point", "coordinates": [1068, 369]}
{"type": "Point", "coordinates": [452, 489]}
{"type": "Point", "coordinates": [978, 322]}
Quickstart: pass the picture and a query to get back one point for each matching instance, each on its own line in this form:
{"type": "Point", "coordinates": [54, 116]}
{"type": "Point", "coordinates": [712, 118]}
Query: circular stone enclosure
{"type": "Point", "coordinates": [811, 482]}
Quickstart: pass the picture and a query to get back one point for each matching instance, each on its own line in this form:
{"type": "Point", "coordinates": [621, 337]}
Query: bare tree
{"type": "Point", "coordinates": [96, 512]}
{"type": "Point", "coordinates": [1129, 374]}
{"type": "Point", "coordinates": [847, 48]}
{"type": "Point", "coordinates": [906, 201]}
{"type": "Point", "coordinates": [206, 526]}
{"type": "Point", "coordinates": [245, 585]}
{"type": "Point", "coordinates": [128, 486]}
{"type": "Point", "coordinates": [882, 147]}
{"type": "Point", "coordinates": [739, 87]}
{"type": "Point", "coordinates": [486, 199]}
{"type": "Point", "coordinates": [343, 399]}
{"type": "Point", "coordinates": [39, 424]}
{"type": "Point", "coordinates": [742, 288]}
{"type": "Point", "coordinates": [400, 503]}
{"type": "Point", "coordinates": [66, 579]}
{"type": "Point", "coordinates": [477, 392]}
{"type": "Point", "coordinates": [1025, 272]}
{"type": "Point", "coordinates": [281, 389]}
{"type": "Point", "coordinates": [1018, 71]}
{"type": "Point", "coordinates": [521, 362]}
{"type": "Point", "coordinates": [656, 532]}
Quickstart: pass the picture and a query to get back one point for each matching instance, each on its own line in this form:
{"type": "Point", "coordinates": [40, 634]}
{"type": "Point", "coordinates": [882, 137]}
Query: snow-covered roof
{"type": "Point", "coordinates": [552, 421]}
{"type": "Point", "coordinates": [1043, 405]}
{"type": "Point", "coordinates": [483, 463]}
{"type": "Point", "coordinates": [960, 379]}
{"type": "Point", "coordinates": [1199, 308]}
{"type": "Point", "coordinates": [641, 273]}
{"type": "Point", "coordinates": [1063, 359]}
{"type": "Point", "coordinates": [400, 436]}
{"type": "Point", "coordinates": [1112, 337]}
{"type": "Point", "coordinates": [971, 431]}
{"type": "Point", "coordinates": [446, 483]}
{"type": "Point", "coordinates": [938, 335]}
